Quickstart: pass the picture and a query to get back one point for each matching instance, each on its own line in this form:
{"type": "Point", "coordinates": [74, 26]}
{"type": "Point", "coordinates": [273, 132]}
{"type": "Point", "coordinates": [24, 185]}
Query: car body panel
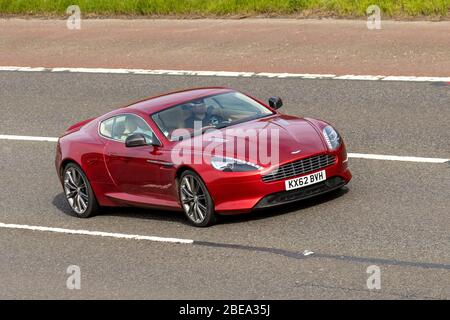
{"type": "Point", "coordinates": [147, 175]}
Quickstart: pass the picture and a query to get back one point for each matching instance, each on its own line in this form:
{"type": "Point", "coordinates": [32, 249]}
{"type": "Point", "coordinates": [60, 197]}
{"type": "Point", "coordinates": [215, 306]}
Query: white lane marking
{"type": "Point", "coordinates": [94, 233]}
{"type": "Point", "coordinates": [420, 79]}
{"type": "Point", "coordinates": [350, 155]}
{"type": "Point", "coordinates": [228, 74]}
{"type": "Point", "coordinates": [396, 158]}
{"type": "Point", "coordinates": [27, 138]}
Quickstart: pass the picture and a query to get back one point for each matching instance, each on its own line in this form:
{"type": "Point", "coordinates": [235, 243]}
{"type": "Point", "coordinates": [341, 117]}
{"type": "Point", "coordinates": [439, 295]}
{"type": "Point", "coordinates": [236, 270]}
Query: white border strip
{"type": "Point", "coordinates": [396, 158]}
{"type": "Point", "coordinates": [228, 74]}
{"type": "Point", "coordinates": [27, 138]}
{"type": "Point", "coordinates": [350, 155]}
{"type": "Point", "coordinates": [95, 233]}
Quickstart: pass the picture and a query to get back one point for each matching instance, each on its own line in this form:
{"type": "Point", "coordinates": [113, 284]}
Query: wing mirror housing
{"type": "Point", "coordinates": [275, 102]}
{"type": "Point", "coordinates": [139, 140]}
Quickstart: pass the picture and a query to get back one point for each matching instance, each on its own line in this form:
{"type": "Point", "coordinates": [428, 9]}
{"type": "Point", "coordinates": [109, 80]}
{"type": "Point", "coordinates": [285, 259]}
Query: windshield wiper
{"type": "Point", "coordinates": [219, 126]}
{"type": "Point", "coordinates": [223, 125]}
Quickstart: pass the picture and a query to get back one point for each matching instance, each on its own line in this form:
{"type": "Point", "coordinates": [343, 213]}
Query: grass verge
{"type": "Point", "coordinates": [223, 8]}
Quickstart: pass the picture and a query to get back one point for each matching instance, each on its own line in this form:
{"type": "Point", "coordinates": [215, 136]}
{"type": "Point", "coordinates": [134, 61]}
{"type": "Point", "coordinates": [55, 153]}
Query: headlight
{"type": "Point", "coordinates": [233, 165]}
{"type": "Point", "coordinates": [331, 137]}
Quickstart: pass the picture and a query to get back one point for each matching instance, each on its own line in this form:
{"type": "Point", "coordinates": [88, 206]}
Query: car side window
{"type": "Point", "coordinates": [106, 128]}
{"type": "Point", "coordinates": [123, 126]}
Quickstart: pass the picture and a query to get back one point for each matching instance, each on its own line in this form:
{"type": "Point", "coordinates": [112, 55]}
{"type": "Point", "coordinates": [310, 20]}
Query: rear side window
{"type": "Point", "coordinates": [122, 126]}
{"type": "Point", "coordinates": [106, 128]}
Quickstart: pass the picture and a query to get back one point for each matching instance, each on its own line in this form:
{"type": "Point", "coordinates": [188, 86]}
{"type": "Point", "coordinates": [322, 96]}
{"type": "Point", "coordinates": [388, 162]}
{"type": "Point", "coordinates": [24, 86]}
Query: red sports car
{"type": "Point", "coordinates": [205, 151]}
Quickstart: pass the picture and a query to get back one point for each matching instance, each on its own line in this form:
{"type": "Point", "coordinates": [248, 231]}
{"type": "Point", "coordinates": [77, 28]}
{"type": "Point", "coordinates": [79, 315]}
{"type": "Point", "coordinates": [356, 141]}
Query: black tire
{"type": "Point", "coordinates": [206, 216]}
{"type": "Point", "coordinates": [79, 186]}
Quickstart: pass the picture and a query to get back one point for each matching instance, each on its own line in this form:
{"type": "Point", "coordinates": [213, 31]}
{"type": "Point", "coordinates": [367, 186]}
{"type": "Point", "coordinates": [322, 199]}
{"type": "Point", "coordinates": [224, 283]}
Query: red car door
{"type": "Point", "coordinates": [136, 171]}
{"type": "Point", "coordinates": [132, 169]}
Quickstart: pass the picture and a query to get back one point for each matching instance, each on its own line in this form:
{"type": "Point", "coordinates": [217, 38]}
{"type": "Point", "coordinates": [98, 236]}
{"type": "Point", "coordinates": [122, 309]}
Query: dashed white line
{"type": "Point", "coordinates": [350, 155]}
{"type": "Point", "coordinates": [227, 74]}
{"type": "Point", "coordinates": [396, 158]}
{"type": "Point", "coordinates": [94, 233]}
{"type": "Point", "coordinates": [27, 138]}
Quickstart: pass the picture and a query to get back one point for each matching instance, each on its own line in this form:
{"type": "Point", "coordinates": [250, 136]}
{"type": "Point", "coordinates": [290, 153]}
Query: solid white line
{"type": "Point", "coordinates": [396, 158]}
{"type": "Point", "coordinates": [94, 233]}
{"type": "Point", "coordinates": [27, 138]}
{"type": "Point", "coordinates": [228, 74]}
{"type": "Point", "coordinates": [350, 155]}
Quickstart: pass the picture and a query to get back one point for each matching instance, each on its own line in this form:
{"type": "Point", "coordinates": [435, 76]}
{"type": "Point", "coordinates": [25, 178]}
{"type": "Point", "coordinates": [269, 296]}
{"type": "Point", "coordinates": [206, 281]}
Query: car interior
{"type": "Point", "coordinates": [174, 118]}
{"type": "Point", "coordinates": [122, 126]}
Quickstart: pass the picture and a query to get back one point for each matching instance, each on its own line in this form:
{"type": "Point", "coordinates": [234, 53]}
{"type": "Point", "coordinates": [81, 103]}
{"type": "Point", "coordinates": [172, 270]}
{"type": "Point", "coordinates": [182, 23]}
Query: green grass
{"type": "Point", "coordinates": [344, 8]}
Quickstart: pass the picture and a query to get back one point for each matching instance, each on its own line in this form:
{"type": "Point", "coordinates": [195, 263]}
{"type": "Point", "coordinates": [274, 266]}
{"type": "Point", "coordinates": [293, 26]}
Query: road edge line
{"type": "Point", "coordinates": [244, 74]}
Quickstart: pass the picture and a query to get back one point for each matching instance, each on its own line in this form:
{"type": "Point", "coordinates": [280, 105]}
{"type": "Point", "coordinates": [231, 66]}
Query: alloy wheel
{"type": "Point", "coordinates": [193, 199]}
{"type": "Point", "coordinates": [76, 191]}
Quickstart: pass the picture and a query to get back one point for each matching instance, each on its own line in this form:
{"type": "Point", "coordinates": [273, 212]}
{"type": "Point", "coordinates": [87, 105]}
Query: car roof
{"type": "Point", "coordinates": [161, 102]}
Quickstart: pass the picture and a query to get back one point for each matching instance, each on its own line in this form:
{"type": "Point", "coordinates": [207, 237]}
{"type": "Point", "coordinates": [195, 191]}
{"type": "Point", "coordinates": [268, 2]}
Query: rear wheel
{"type": "Point", "coordinates": [78, 192]}
{"type": "Point", "coordinates": [195, 200]}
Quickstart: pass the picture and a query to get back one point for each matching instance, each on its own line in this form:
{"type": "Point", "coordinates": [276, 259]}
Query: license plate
{"type": "Point", "coordinates": [304, 181]}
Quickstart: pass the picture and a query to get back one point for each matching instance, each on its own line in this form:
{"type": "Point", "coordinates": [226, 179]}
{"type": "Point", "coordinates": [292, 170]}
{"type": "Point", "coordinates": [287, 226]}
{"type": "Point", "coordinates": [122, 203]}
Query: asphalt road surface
{"type": "Point", "coordinates": [394, 215]}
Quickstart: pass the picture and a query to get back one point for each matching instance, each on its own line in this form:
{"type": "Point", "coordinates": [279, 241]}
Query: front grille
{"type": "Point", "coordinates": [300, 167]}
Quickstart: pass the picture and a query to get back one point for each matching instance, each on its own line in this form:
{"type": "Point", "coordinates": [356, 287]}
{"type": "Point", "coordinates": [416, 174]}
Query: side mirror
{"type": "Point", "coordinates": [275, 102]}
{"type": "Point", "coordinates": [138, 140]}
{"type": "Point", "coordinates": [135, 140]}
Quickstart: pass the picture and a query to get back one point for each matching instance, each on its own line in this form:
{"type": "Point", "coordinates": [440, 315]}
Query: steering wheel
{"type": "Point", "coordinates": [214, 119]}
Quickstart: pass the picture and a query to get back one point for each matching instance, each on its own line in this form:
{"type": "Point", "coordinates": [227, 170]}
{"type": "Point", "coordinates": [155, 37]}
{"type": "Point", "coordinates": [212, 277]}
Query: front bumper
{"type": "Point", "coordinates": [285, 197]}
{"type": "Point", "coordinates": [243, 192]}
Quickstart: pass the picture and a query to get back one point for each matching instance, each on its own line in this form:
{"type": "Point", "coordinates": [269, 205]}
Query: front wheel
{"type": "Point", "coordinates": [195, 200]}
{"type": "Point", "coordinates": [78, 191]}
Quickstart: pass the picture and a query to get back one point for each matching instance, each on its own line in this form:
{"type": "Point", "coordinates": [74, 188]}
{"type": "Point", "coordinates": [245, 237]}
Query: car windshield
{"type": "Point", "coordinates": [215, 111]}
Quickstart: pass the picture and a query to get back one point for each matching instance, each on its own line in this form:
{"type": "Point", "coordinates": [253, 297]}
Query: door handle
{"type": "Point", "coordinates": [161, 163]}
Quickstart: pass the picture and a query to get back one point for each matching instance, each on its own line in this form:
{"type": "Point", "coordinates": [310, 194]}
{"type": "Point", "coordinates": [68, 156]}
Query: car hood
{"type": "Point", "coordinates": [287, 138]}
